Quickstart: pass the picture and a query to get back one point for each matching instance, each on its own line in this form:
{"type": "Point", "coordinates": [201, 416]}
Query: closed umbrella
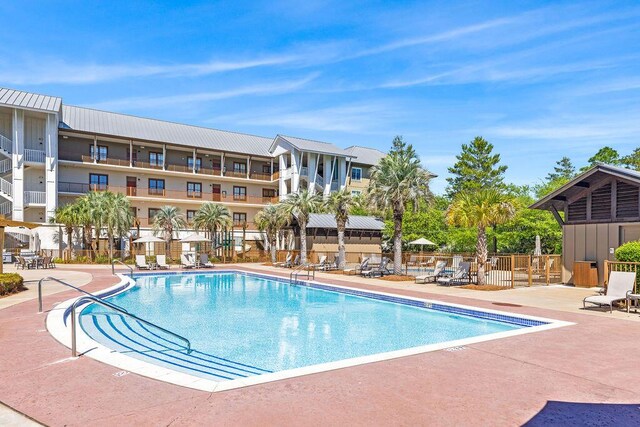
{"type": "Point", "coordinates": [537, 251]}
{"type": "Point", "coordinates": [37, 243]}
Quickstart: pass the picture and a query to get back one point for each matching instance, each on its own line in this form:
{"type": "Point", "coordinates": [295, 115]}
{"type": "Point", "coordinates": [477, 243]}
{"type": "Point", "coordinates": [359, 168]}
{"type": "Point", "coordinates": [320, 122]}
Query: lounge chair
{"type": "Point", "coordinates": [290, 264]}
{"type": "Point", "coordinates": [427, 263]}
{"type": "Point", "coordinates": [141, 263]}
{"type": "Point", "coordinates": [321, 263]}
{"type": "Point", "coordinates": [460, 276]}
{"type": "Point", "coordinates": [364, 265]}
{"type": "Point", "coordinates": [380, 270]}
{"type": "Point", "coordinates": [433, 275]}
{"type": "Point", "coordinates": [186, 261]}
{"type": "Point", "coordinates": [286, 261]}
{"type": "Point", "coordinates": [455, 263]}
{"type": "Point", "coordinates": [621, 284]}
{"type": "Point", "coordinates": [161, 262]}
{"type": "Point", "coordinates": [204, 261]}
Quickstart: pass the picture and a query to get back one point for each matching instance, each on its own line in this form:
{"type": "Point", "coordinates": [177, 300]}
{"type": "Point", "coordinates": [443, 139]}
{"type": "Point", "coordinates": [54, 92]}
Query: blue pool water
{"type": "Point", "coordinates": [242, 325]}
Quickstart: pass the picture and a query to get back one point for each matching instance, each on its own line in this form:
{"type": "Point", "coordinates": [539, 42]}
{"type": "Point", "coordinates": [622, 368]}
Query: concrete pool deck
{"type": "Point", "coordinates": [579, 373]}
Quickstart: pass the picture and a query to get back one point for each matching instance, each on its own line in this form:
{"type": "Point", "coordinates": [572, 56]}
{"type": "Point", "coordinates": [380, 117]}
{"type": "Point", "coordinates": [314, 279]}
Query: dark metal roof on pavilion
{"type": "Point", "coordinates": [558, 198]}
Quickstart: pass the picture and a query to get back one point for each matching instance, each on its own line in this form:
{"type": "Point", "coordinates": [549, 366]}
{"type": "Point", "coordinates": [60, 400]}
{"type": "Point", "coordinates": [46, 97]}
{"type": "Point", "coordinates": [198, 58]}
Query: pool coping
{"type": "Point", "coordinates": [60, 330]}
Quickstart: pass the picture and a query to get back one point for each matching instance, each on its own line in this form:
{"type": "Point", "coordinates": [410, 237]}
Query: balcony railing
{"type": "Point", "coordinates": [35, 156]}
{"type": "Point", "coordinates": [35, 197]}
{"type": "Point", "coordinates": [6, 144]}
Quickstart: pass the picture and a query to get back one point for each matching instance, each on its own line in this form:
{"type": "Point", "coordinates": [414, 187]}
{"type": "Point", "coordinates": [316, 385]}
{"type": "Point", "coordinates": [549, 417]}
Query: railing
{"type": "Point", "coordinates": [5, 165]}
{"type": "Point", "coordinates": [122, 312]}
{"type": "Point", "coordinates": [320, 180]}
{"type": "Point", "coordinates": [304, 171]}
{"type": "Point", "coordinates": [44, 279]}
{"type": "Point", "coordinates": [308, 269]}
{"type": "Point", "coordinates": [34, 156]}
{"type": "Point", "coordinates": [6, 187]}
{"type": "Point", "coordinates": [235, 174]}
{"type": "Point", "coordinates": [260, 176]}
{"type": "Point", "coordinates": [35, 197]}
{"type": "Point", "coordinates": [6, 144]}
{"type": "Point", "coordinates": [610, 266]}
{"type": "Point", "coordinates": [6, 208]}
{"type": "Point", "coordinates": [113, 267]}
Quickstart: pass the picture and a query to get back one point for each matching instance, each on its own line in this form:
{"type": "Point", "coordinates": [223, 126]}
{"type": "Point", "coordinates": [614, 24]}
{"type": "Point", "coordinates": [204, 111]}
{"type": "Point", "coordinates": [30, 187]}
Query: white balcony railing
{"type": "Point", "coordinates": [5, 165]}
{"type": "Point", "coordinates": [6, 144]}
{"type": "Point", "coordinates": [35, 156]}
{"type": "Point", "coordinates": [35, 197]}
{"type": "Point", "coordinates": [304, 171]}
{"type": "Point", "coordinates": [6, 187]}
{"type": "Point", "coordinates": [6, 208]}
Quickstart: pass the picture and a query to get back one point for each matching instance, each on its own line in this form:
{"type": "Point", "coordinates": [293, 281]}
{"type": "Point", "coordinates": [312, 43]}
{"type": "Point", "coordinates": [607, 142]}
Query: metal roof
{"type": "Point", "coordinates": [354, 222]}
{"type": "Point", "coordinates": [311, 145]}
{"type": "Point", "coordinates": [32, 101]}
{"type": "Point", "coordinates": [598, 172]}
{"type": "Point", "coordinates": [138, 128]}
{"type": "Point", "coordinates": [365, 156]}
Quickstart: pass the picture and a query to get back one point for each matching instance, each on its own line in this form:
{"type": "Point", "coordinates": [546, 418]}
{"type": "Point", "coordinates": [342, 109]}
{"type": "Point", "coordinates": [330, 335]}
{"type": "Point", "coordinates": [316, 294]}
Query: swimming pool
{"type": "Point", "coordinates": [246, 326]}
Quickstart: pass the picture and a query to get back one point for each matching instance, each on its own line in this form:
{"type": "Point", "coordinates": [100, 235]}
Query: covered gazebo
{"type": "Point", "coordinates": [4, 222]}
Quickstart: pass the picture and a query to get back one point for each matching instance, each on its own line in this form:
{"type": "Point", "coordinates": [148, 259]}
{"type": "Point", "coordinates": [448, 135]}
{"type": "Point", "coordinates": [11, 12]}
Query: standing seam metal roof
{"type": "Point", "coordinates": [138, 128]}
{"type": "Point", "coordinates": [365, 156]}
{"type": "Point", "coordinates": [33, 101]}
{"type": "Point", "coordinates": [316, 146]}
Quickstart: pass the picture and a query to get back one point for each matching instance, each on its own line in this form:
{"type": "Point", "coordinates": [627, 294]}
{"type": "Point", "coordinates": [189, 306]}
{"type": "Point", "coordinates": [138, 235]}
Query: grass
{"type": "Point", "coordinates": [485, 287]}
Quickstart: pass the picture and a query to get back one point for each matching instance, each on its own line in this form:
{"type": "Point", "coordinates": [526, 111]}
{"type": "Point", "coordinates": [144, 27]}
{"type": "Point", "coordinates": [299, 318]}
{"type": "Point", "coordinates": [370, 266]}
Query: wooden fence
{"type": "Point", "coordinates": [610, 266]}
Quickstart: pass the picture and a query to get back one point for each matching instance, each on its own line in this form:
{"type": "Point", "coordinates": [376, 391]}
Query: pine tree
{"type": "Point", "coordinates": [476, 167]}
{"type": "Point", "coordinates": [632, 161]}
{"type": "Point", "coordinates": [564, 170]}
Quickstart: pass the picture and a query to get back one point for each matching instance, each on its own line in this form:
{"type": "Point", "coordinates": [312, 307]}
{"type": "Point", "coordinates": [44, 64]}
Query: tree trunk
{"type": "Point", "coordinates": [110, 237]}
{"type": "Point", "coordinates": [273, 243]}
{"type": "Point", "coordinates": [70, 240]}
{"type": "Point", "coordinates": [303, 242]}
{"type": "Point", "coordinates": [341, 247]}
{"type": "Point", "coordinates": [397, 242]}
{"type": "Point", "coordinates": [481, 254]}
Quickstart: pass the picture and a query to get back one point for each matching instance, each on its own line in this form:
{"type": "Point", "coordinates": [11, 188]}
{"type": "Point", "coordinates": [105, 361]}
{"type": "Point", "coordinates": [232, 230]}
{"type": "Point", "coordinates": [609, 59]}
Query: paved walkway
{"type": "Point", "coordinates": [581, 374]}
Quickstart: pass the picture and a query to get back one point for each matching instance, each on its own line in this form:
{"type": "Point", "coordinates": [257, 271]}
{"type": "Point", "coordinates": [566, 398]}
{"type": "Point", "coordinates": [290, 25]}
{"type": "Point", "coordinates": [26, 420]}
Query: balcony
{"type": "Point", "coordinates": [170, 167]}
{"type": "Point", "coordinates": [79, 188]}
{"type": "Point", "coordinates": [34, 156]}
{"type": "Point", "coordinates": [35, 198]}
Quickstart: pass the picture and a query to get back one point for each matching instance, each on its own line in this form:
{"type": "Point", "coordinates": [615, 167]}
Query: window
{"type": "Point", "coordinates": [268, 194]}
{"type": "Point", "coordinates": [156, 159]}
{"type": "Point", "coordinates": [190, 215]}
{"type": "Point", "coordinates": [152, 213]}
{"type": "Point", "coordinates": [356, 193]}
{"type": "Point", "coordinates": [194, 189]}
{"type": "Point", "coordinates": [156, 187]}
{"type": "Point", "coordinates": [239, 167]}
{"type": "Point", "coordinates": [266, 169]}
{"type": "Point", "coordinates": [239, 218]}
{"type": "Point", "coordinates": [356, 174]}
{"type": "Point", "coordinates": [101, 153]}
{"type": "Point", "coordinates": [198, 163]}
{"type": "Point", "coordinates": [239, 193]}
{"type": "Point", "coordinates": [98, 182]}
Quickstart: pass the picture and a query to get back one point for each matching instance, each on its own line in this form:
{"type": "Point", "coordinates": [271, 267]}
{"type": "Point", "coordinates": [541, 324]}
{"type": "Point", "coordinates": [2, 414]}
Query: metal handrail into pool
{"type": "Point", "coordinates": [62, 283]}
{"type": "Point", "coordinates": [120, 310]}
{"type": "Point", "coordinates": [307, 268]}
{"type": "Point", "coordinates": [113, 268]}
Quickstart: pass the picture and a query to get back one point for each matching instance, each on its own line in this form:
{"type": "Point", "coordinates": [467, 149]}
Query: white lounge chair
{"type": "Point", "coordinates": [621, 284]}
{"type": "Point", "coordinates": [186, 261]}
{"type": "Point", "coordinates": [357, 269]}
{"type": "Point", "coordinates": [204, 261]}
{"type": "Point", "coordinates": [286, 262]}
{"type": "Point", "coordinates": [460, 276]}
{"type": "Point", "coordinates": [321, 263]}
{"type": "Point", "coordinates": [161, 262]}
{"type": "Point", "coordinates": [380, 270]}
{"type": "Point", "coordinates": [141, 262]}
{"type": "Point", "coordinates": [433, 275]}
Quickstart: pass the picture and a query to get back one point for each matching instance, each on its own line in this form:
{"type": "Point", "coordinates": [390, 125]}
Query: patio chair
{"type": "Point", "coordinates": [364, 265]}
{"type": "Point", "coordinates": [621, 284]}
{"type": "Point", "coordinates": [460, 276]}
{"type": "Point", "coordinates": [413, 261]}
{"type": "Point", "coordinates": [141, 263]}
{"type": "Point", "coordinates": [380, 270]}
{"type": "Point", "coordinates": [186, 261]}
{"type": "Point", "coordinates": [321, 263]}
{"type": "Point", "coordinates": [204, 261]}
{"type": "Point", "coordinates": [433, 275]}
{"type": "Point", "coordinates": [455, 263]}
{"type": "Point", "coordinates": [295, 262]}
{"type": "Point", "coordinates": [286, 261]}
{"type": "Point", "coordinates": [427, 263]}
{"type": "Point", "coordinates": [21, 263]}
{"type": "Point", "coordinates": [161, 262]}
{"type": "Point", "coordinates": [45, 262]}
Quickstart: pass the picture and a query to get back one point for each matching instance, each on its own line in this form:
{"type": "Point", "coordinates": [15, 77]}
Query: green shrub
{"type": "Point", "coordinates": [151, 258]}
{"type": "Point", "coordinates": [629, 252]}
{"type": "Point", "coordinates": [102, 259]}
{"type": "Point", "coordinates": [10, 283]}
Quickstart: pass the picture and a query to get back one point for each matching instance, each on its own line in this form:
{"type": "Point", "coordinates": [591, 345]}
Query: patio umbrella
{"type": "Point", "coordinates": [422, 242]}
{"type": "Point", "coordinates": [148, 239]}
{"type": "Point", "coordinates": [195, 238]}
{"type": "Point", "coordinates": [537, 251]}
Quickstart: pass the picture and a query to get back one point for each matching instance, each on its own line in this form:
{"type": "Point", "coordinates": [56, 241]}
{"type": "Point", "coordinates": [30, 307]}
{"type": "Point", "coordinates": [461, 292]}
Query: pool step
{"type": "Point", "coordinates": [130, 337]}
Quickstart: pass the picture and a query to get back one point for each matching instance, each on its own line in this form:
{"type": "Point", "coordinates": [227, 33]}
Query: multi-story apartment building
{"type": "Point", "coordinates": [51, 153]}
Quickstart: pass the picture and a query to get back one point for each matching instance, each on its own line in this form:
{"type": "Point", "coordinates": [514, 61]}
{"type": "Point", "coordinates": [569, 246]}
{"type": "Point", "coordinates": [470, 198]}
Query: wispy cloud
{"type": "Point", "coordinates": [154, 102]}
{"type": "Point", "coordinates": [58, 71]}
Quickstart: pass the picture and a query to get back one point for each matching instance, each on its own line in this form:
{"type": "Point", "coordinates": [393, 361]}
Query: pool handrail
{"type": "Point", "coordinates": [113, 268]}
{"type": "Point", "coordinates": [310, 268]}
{"type": "Point", "coordinates": [118, 309]}
{"type": "Point", "coordinates": [62, 282]}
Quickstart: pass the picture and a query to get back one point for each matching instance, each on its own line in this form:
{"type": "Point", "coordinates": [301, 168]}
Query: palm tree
{"type": "Point", "coordinates": [397, 180]}
{"type": "Point", "coordinates": [117, 217]}
{"type": "Point", "coordinates": [481, 209]}
{"type": "Point", "coordinates": [167, 221]}
{"type": "Point", "coordinates": [300, 205]}
{"type": "Point", "coordinates": [212, 217]}
{"type": "Point", "coordinates": [92, 206]}
{"type": "Point", "coordinates": [69, 217]}
{"type": "Point", "coordinates": [270, 220]}
{"type": "Point", "coordinates": [341, 203]}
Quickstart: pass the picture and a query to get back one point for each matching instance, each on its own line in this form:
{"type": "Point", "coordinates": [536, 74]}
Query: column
{"type": "Point", "coordinates": [51, 166]}
{"type": "Point", "coordinates": [327, 164]}
{"type": "Point", "coordinates": [130, 153]}
{"type": "Point", "coordinates": [222, 164]}
{"type": "Point", "coordinates": [295, 170]}
{"type": "Point", "coordinates": [164, 157]}
{"type": "Point", "coordinates": [311, 172]}
{"type": "Point", "coordinates": [18, 166]}
{"type": "Point", "coordinates": [248, 167]}
{"type": "Point", "coordinates": [95, 149]}
{"type": "Point", "coordinates": [281, 181]}
{"type": "Point", "coordinates": [342, 172]}
{"type": "Point", "coordinates": [194, 161]}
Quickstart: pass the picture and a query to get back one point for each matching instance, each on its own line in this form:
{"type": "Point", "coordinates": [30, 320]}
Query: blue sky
{"type": "Point", "coordinates": [538, 79]}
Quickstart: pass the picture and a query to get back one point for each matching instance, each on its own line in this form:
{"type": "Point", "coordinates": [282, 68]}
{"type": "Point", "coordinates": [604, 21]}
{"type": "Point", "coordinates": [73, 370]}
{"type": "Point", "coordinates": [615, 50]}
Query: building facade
{"type": "Point", "coordinates": [52, 153]}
